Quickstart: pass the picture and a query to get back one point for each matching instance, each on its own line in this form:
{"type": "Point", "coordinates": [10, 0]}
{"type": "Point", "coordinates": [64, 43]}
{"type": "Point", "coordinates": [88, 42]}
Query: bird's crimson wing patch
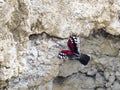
{"type": "Point", "coordinates": [72, 44]}
{"type": "Point", "coordinates": [65, 53]}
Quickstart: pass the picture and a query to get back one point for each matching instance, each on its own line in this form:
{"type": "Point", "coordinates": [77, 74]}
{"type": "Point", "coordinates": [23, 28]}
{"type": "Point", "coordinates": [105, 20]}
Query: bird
{"type": "Point", "coordinates": [73, 53]}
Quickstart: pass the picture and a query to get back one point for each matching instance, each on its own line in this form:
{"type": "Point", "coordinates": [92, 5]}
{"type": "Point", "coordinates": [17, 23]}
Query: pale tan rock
{"type": "Point", "coordinates": [76, 16]}
{"type": "Point", "coordinates": [31, 61]}
{"type": "Point", "coordinates": [116, 86]}
{"type": "Point", "coordinates": [100, 89]}
{"type": "Point", "coordinates": [8, 63]}
{"type": "Point", "coordinates": [5, 12]}
{"type": "Point", "coordinates": [99, 80]}
{"type": "Point", "coordinates": [108, 49]}
{"type": "Point", "coordinates": [69, 67]}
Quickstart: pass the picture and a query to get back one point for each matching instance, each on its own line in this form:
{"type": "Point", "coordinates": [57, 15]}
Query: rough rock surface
{"type": "Point", "coordinates": [101, 73]}
{"type": "Point", "coordinates": [32, 32]}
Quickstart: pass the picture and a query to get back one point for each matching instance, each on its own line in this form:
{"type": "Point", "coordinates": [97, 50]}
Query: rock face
{"type": "Point", "coordinates": [32, 32]}
{"type": "Point", "coordinates": [101, 73]}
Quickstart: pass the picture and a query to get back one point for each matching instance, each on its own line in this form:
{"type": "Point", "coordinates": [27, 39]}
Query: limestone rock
{"type": "Point", "coordinates": [8, 62]}
{"type": "Point", "coordinates": [54, 17]}
{"type": "Point", "coordinates": [116, 86]}
{"type": "Point", "coordinates": [108, 49]}
{"type": "Point", "coordinates": [37, 69]}
{"type": "Point", "coordinates": [5, 12]}
{"type": "Point", "coordinates": [100, 69]}
{"type": "Point", "coordinates": [99, 80]}
{"type": "Point", "coordinates": [69, 67]}
{"type": "Point", "coordinates": [32, 32]}
{"type": "Point", "coordinates": [100, 89]}
{"type": "Point", "coordinates": [75, 82]}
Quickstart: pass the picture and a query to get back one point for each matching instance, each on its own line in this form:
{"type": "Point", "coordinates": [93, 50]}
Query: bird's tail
{"type": "Point", "coordinates": [83, 58]}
